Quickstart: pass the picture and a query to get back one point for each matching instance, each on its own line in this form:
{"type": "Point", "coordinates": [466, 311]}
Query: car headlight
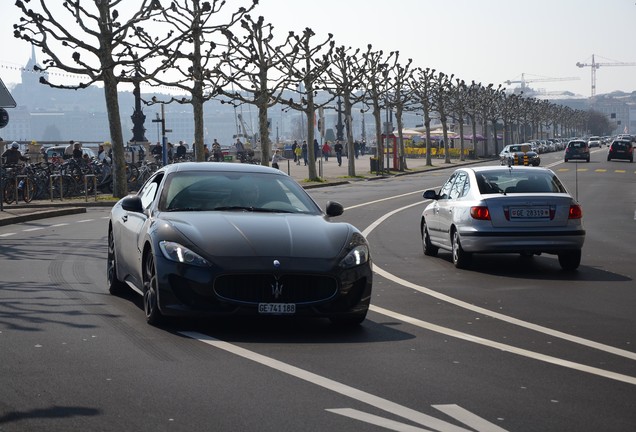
{"type": "Point", "coordinates": [359, 253]}
{"type": "Point", "coordinates": [181, 254]}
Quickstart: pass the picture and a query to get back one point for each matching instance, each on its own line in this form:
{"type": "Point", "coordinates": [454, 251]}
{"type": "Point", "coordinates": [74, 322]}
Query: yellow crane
{"type": "Point", "coordinates": [594, 65]}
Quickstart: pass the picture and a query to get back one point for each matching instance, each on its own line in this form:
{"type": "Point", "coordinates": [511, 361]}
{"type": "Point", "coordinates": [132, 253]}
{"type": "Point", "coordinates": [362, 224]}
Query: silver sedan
{"type": "Point", "coordinates": [515, 209]}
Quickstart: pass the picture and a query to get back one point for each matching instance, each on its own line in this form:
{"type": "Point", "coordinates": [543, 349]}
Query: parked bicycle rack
{"type": "Point", "coordinates": [86, 176]}
{"type": "Point", "coordinates": [61, 186]}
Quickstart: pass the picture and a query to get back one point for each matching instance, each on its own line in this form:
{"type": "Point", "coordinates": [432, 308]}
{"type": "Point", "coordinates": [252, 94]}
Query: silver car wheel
{"type": "Point", "coordinates": [461, 259]}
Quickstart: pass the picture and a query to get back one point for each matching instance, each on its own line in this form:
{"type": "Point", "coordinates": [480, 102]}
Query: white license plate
{"type": "Point", "coordinates": [529, 213]}
{"type": "Point", "coordinates": [277, 308]}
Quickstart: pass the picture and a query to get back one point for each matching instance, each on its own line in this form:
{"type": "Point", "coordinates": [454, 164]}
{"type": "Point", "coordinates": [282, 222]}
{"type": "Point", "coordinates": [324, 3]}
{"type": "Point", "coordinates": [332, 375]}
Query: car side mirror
{"type": "Point", "coordinates": [430, 195]}
{"type": "Point", "coordinates": [334, 208]}
{"type": "Point", "coordinates": [132, 204]}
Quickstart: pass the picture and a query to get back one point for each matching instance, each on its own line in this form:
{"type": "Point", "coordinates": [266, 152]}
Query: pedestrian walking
{"type": "Point", "coordinates": [297, 154]}
{"type": "Point", "coordinates": [304, 152]}
{"type": "Point", "coordinates": [338, 149]}
{"type": "Point", "coordinates": [326, 149]}
{"type": "Point", "coordinates": [294, 147]}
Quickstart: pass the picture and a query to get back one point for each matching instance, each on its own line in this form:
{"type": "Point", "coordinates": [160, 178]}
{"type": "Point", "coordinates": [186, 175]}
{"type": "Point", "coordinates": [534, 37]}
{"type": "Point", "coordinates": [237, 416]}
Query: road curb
{"type": "Point", "coordinates": [41, 215]}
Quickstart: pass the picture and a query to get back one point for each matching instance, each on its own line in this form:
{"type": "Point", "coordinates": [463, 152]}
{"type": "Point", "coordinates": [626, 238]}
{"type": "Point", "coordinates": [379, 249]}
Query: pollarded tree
{"type": "Point", "coordinates": [442, 84]}
{"type": "Point", "coordinates": [345, 78]}
{"type": "Point", "coordinates": [458, 99]}
{"type": "Point", "coordinates": [253, 71]}
{"type": "Point", "coordinates": [194, 58]}
{"type": "Point", "coordinates": [308, 68]}
{"type": "Point", "coordinates": [422, 83]}
{"type": "Point", "coordinates": [379, 83]}
{"type": "Point", "coordinates": [399, 98]}
{"type": "Point", "coordinates": [91, 39]}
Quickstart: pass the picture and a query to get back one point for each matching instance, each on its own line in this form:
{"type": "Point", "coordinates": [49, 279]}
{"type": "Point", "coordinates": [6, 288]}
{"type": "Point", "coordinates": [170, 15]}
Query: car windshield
{"type": "Point", "coordinates": [510, 181]}
{"type": "Point", "coordinates": [234, 191]}
{"type": "Point", "coordinates": [577, 144]}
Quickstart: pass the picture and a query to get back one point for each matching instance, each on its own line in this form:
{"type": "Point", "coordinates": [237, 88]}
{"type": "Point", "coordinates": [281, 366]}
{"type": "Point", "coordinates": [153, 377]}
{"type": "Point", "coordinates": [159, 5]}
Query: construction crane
{"type": "Point", "coordinates": [594, 65]}
{"type": "Point", "coordinates": [523, 81]}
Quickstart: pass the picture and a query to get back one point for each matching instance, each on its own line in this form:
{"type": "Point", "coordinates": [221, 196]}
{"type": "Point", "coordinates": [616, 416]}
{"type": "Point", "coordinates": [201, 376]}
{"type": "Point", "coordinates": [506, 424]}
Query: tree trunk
{"type": "Point", "coordinates": [351, 162]}
{"type": "Point", "coordinates": [377, 115]}
{"type": "Point", "coordinates": [120, 187]}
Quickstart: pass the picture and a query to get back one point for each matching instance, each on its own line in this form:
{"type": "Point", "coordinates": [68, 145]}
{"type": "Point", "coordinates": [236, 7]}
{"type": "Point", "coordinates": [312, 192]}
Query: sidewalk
{"type": "Point", "coordinates": [329, 171]}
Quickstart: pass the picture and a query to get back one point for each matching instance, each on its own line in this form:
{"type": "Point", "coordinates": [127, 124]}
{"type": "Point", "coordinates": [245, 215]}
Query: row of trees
{"type": "Point", "coordinates": [206, 51]}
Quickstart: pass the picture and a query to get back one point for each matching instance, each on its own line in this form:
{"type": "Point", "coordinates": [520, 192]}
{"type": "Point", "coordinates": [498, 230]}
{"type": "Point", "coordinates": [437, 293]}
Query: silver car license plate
{"type": "Point", "coordinates": [529, 213]}
{"type": "Point", "coordinates": [277, 308]}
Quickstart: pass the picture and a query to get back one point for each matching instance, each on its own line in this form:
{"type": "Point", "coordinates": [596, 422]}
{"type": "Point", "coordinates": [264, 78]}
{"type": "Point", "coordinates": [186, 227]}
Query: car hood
{"type": "Point", "coordinates": [245, 234]}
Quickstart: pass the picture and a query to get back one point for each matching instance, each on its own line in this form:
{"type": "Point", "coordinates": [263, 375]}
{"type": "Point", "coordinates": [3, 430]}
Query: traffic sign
{"type": "Point", "coordinates": [6, 100]}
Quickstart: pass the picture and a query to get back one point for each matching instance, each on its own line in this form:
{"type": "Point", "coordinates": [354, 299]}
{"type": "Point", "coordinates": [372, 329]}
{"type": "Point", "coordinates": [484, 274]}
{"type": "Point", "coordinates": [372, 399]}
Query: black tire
{"type": "Point", "coordinates": [115, 286]}
{"type": "Point", "coordinates": [570, 260]}
{"type": "Point", "coordinates": [9, 192]}
{"type": "Point", "coordinates": [461, 259]}
{"type": "Point", "coordinates": [566, 159]}
{"type": "Point", "coordinates": [151, 303]}
{"type": "Point", "coordinates": [427, 246]}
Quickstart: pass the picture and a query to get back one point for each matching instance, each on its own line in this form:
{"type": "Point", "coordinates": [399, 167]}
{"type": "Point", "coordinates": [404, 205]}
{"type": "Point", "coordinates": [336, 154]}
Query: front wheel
{"type": "Point", "coordinates": [429, 249]}
{"type": "Point", "coordinates": [461, 258]}
{"type": "Point", "coordinates": [151, 301]}
{"type": "Point", "coordinates": [115, 286]}
{"type": "Point", "coordinates": [570, 260]}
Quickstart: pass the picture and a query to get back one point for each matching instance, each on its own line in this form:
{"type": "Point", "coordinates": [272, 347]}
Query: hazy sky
{"type": "Point", "coordinates": [482, 40]}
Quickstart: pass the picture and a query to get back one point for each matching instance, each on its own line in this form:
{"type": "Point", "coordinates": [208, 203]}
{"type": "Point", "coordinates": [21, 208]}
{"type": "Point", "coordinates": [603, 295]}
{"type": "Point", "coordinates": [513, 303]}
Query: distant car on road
{"type": "Point", "coordinates": [524, 210]}
{"type": "Point", "coordinates": [621, 150]}
{"type": "Point", "coordinates": [594, 141]}
{"type": "Point", "coordinates": [577, 149]}
{"type": "Point", "coordinates": [59, 151]}
{"type": "Point", "coordinates": [519, 154]}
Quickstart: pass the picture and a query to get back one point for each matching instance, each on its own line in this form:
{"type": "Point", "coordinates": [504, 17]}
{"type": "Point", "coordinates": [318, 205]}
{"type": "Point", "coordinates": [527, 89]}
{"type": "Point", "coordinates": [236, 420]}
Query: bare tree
{"type": "Point", "coordinates": [399, 98]}
{"type": "Point", "coordinates": [441, 91]}
{"type": "Point", "coordinates": [308, 68]}
{"type": "Point", "coordinates": [254, 69]}
{"type": "Point", "coordinates": [92, 40]}
{"type": "Point", "coordinates": [376, 74]}
{"type": "Point", "coordinates": [345, 75]}
{"type": "Point", "coordinates": [459, 95]}
{"type": "Point", "coordinates": [193, 59]}
{"type": "Point", "coordinates": [422, 87]}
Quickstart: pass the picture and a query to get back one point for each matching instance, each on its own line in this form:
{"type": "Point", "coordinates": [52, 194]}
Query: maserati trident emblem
{"type": "Point", "coordinates": [277, 289]}
{"type": "Point", "coordinates": [276, 263]}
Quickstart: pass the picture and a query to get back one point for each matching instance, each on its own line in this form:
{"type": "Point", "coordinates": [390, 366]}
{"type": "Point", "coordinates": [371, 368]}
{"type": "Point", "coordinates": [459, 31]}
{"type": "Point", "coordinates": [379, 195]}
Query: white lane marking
{"type": "Point", "coordinates": [377, 420]}
{"type": "Point", "coordinates": [84, 220]}
{"type": "Point", "coordinates": [506, 318]}
{"type": "Point", "coordinates": [384, 199]}
{"type": "Point", "coordinates": [7, 234]}
{"type": "Point", "coordinates": [58, 225]}
{"type": "Point", "coordinates": [34, 229]}
{"type": "Point", "coordinates": [335, 386]}
{"type": "Point", "coordinates": [503, 347]}
{"type": "Point", "coordinates": [468, 418]}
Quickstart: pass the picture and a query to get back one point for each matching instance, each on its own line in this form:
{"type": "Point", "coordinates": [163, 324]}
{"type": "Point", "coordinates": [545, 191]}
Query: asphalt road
{"type": "Point", "coordinates": [510, 344]}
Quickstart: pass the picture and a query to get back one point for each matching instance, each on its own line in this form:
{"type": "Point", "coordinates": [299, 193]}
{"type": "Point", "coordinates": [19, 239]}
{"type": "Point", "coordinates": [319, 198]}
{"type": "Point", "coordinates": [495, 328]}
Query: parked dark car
{"type": "Point", "coordinates": [218, 239]}
{"type": "Point", "coordinates": [577, 149]}
{"type": "Point", "coordinates": [621, 150]}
